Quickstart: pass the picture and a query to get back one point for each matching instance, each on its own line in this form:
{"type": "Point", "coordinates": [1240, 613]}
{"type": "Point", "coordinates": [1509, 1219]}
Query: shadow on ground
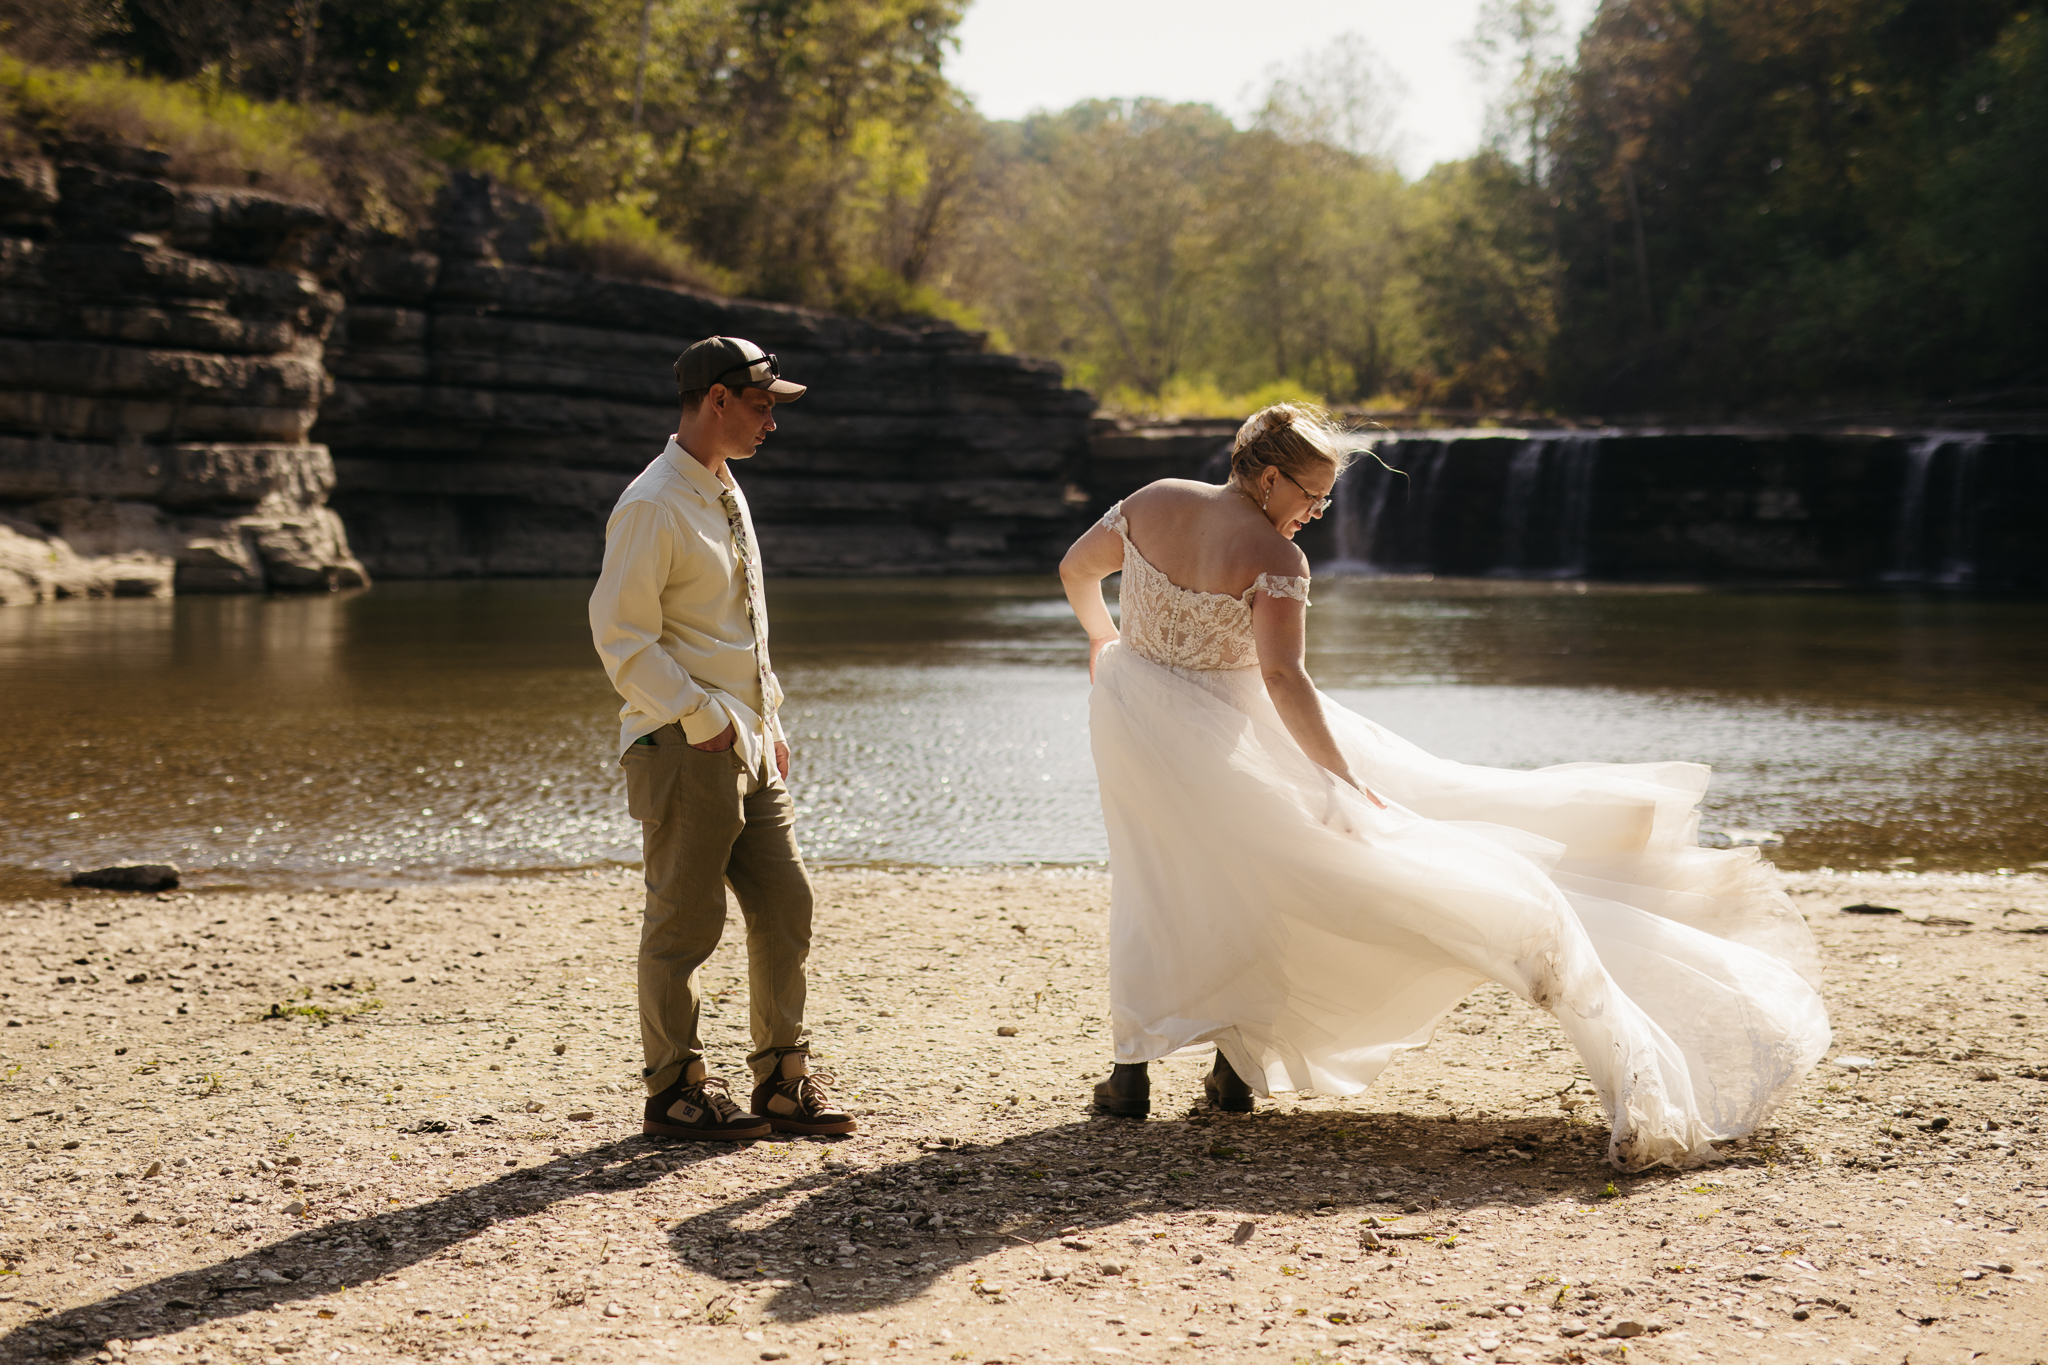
{"type": "Point", "coordinates": [862, 1237]}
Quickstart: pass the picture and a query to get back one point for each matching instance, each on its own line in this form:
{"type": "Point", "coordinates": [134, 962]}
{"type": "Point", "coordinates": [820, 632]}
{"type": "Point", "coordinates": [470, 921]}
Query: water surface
{"type": "Point", "coordinates": [430, 730]}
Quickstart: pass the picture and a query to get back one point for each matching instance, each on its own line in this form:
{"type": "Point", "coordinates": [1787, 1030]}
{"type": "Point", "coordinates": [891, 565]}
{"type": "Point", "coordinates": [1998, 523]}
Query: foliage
{"type": "Point", "coordinates": [620, 239]}
{"type": "Point", "coordinates": [1772, 202]}
{"type": "Point", "coordinates": [1183, 397]}
{"type": "Point", "coordinates": [354, 165]}
{"type": "Point", "coordinates": [1707, 206]}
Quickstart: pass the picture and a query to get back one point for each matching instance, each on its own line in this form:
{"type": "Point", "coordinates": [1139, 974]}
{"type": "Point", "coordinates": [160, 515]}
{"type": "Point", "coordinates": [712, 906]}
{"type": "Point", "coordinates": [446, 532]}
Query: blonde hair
{"type": "Point", "coordinates": [1297, 438]}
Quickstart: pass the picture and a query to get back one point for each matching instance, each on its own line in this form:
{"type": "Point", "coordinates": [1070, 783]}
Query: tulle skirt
{"type": "Point", "coordinates": [1261, 905]}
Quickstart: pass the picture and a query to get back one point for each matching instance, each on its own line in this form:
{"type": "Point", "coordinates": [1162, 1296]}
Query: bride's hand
{"type": "Point", "coordinates": [1363, 790]}
{"type": "Point", "coordinates": [1095, 650]}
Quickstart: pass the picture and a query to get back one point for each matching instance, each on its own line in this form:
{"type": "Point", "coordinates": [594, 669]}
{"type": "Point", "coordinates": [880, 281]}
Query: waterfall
{"type": "Point", "coordinates": [1935, 535]}
{"type": "Point", "coordinates": [1389, 522]}
{"type": "Point", "coordinates": [1361, 504]}
{"type": "Point", "coordinates": [1518, 506]}
{"type": "Point", "coordinates": [1959, 560]}
{"type": "Point", "coordinates": [1547, 508]}
{"type": "Point", "coordinates": [1384, 515]}
{"type": "Point", "coordinates": [1575, 504]}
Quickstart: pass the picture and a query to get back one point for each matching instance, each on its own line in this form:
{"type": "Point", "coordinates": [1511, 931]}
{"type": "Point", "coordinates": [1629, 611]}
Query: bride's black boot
{"type": "Point", "coordinates": [1226, 1089]}
{"type": "Point", "coordinates": [1127, 1093]}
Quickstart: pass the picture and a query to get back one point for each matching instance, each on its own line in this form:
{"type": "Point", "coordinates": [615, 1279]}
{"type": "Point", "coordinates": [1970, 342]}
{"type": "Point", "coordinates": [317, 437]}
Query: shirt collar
{"type": "Point", "coordinates": [708, 486]}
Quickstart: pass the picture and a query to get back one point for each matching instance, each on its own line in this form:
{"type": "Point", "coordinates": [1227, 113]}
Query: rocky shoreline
{"type": "Point", "coordinates": [382, 1125]}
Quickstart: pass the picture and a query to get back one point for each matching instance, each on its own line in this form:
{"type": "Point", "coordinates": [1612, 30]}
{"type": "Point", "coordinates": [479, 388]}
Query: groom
{"type": "Point", "coordinates": [680, 622]}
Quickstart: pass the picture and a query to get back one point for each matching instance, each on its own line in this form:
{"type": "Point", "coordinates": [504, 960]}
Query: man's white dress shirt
{"type": "Point", "coordinates": [669, 614]}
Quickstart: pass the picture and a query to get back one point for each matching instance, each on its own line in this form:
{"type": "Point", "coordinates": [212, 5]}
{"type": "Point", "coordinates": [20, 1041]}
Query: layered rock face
{"type": "Point", "coordinates": [160, 367]}
{"type": "Point", "coordinates": [487, 412]}
{"type": "Point", "coordinates": [177, 362]}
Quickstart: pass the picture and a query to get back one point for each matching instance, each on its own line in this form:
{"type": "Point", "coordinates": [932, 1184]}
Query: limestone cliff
{"type": "Point", "coordinates": [160, 367]}
{"type": "Point", "coordinates": [487, 411]}
{"type": "Point", "coordinates": [177, 362]}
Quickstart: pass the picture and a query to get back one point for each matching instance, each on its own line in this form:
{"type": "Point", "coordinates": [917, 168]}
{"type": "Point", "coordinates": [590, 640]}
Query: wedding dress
{"type": "Point", "coordinates": [1262, 905]}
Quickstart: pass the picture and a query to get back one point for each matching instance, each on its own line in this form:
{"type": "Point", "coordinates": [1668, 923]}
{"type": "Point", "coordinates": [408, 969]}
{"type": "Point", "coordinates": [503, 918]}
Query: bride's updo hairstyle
{"type": "Point", "coordinates": [1298, 438]}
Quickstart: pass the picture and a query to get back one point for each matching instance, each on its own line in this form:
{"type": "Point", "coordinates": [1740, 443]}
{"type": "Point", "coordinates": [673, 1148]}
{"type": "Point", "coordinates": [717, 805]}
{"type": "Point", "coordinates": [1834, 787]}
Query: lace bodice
{"type": "Point", "coordinates": [1177, 627]}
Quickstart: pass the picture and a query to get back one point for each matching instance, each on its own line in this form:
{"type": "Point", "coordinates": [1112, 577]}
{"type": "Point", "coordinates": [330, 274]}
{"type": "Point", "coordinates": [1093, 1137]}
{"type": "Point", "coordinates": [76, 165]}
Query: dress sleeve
{"type": "Point", "coordinates": [1275, 586]}
{"type": "Point", "coordinates": [1114, 520]}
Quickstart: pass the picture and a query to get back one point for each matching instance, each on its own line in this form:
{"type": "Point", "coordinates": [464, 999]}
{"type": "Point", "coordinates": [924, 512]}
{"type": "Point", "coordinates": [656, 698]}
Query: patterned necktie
{"type": "Point", "coordinates": [757, 607]}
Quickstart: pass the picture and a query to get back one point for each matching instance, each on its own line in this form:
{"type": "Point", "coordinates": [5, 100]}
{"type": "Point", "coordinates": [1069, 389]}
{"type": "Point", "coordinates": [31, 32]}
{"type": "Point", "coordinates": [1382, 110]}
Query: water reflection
{"type": "Point", "coordinates": [428, 729]}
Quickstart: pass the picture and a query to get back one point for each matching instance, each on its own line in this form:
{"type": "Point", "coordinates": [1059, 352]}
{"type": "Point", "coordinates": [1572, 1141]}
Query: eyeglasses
{"type": "Point", "coordinates": [1316, 505]}
{"type": "Point", "coordinates": [774, 370]}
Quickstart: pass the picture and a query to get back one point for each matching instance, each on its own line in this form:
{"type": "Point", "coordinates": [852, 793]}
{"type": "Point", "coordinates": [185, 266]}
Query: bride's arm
{"type": "Point", "coordinates": [1092, 558]}
{"type": "Point", "coordinates": [1279, 628]}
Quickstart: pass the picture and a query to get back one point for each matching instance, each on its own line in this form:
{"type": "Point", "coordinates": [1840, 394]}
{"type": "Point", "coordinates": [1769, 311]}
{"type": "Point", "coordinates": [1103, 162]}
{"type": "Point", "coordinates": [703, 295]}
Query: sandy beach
{"type": "Point", "coordinates": [371, 1125]}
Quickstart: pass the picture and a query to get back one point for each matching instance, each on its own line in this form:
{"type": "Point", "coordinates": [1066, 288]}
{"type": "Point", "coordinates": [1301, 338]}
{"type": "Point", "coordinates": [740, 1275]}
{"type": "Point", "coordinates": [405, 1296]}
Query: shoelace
{"type": "Point", "coordinates": [809, 1090]}
{"type": "Point", "coordinates": [717, 1098]}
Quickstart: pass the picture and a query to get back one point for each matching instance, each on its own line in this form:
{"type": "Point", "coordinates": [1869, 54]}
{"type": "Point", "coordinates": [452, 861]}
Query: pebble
{"type": "Point", "coordinates": [579, 1115]}
{"type": "Point", "coordinates": [1627, 1328]}
{"type": "Point", "coordinates": [155, 1168]}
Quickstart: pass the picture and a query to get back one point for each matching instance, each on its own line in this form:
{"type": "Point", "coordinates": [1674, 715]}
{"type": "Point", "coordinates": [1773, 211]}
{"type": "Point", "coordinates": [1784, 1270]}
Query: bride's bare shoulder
{"type": "Point", "coordinates": [1277, 556]}
{"type": "Point", "coordinates": [1172, 493]}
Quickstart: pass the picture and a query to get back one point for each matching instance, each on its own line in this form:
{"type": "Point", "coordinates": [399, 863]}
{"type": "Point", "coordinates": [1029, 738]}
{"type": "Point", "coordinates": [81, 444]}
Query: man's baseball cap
{"type": "Point", "coordinates": [735, 363]}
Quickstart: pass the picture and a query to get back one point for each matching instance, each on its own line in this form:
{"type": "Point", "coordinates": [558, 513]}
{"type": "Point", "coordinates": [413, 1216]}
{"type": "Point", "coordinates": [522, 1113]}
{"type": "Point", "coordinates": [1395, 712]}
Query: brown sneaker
{"type": "Point", "coordinates": [701, 1108]}
{"type": "Point", "coordinates": [794, 1100]}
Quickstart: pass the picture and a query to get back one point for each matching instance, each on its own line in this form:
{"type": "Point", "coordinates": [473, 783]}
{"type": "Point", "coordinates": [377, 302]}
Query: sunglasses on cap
{"type": "Point", "coordinates": [774, 370]}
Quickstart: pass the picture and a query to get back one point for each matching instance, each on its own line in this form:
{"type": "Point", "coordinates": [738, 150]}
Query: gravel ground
{"type": "Point", "coordinates": [364, 1125]}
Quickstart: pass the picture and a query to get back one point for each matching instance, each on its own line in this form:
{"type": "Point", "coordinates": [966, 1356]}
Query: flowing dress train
{"type": "Point", "coordinates": [1260, 904]}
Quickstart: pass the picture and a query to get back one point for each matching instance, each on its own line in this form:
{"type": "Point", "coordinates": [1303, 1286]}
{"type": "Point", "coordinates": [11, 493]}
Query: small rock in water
{"type": "Point", "coordinates": [130, 877]}
{"type": "Point", "coordinates": [1862, 909]}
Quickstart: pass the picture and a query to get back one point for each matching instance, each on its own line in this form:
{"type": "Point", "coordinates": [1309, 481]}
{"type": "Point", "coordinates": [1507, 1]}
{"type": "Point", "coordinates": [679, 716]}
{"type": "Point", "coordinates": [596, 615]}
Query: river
{"type": "Point", "coordinates": [436, 730]}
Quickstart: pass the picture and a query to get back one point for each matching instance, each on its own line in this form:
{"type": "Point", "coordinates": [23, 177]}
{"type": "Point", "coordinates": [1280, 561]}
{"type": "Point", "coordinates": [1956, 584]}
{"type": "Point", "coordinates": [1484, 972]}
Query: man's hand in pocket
{"type": "Point", "coordinates": [719, 742]}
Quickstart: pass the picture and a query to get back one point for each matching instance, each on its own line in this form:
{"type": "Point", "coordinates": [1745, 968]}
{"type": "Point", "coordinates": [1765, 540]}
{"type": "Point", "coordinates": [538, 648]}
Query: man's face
{"type": "Point", "coordinates": [745, 419]}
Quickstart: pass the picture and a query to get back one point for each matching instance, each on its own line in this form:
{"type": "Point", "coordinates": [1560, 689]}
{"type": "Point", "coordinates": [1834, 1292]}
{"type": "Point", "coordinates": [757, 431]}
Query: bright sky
{"type": "Point", "coordinates": [1019, 55]}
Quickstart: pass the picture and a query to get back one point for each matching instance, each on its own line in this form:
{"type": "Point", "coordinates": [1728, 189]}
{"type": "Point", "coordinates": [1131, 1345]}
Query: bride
{"type": "Point", "coordinates": [1311, 894]}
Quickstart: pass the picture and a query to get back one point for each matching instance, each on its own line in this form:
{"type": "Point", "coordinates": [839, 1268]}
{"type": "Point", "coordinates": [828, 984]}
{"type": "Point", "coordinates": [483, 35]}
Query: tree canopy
{"type": "Point", "coordinates": [1704, 206]}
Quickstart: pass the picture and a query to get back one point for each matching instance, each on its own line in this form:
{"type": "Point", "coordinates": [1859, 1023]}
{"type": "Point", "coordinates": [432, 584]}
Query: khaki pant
{"type": "Point", "coordinates": [706, 823]}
